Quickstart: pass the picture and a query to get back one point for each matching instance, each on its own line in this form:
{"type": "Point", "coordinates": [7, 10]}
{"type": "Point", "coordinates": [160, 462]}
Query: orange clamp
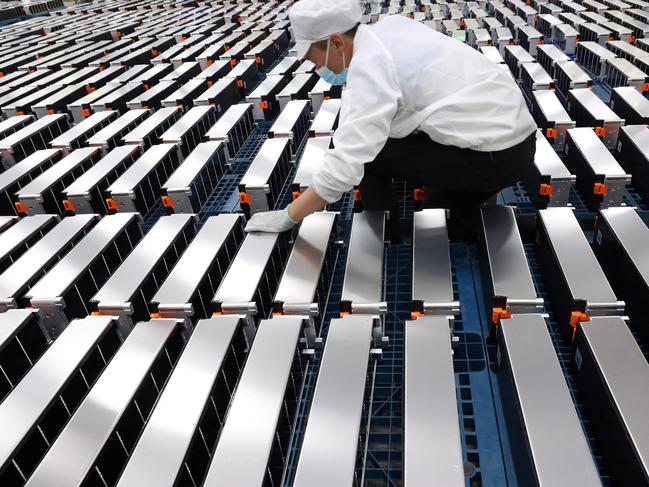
{"type": "Point", "coordinates": [90, 89]}
{"type": "Point", "coordinates": [644, 88]}
{"type": "Point", "coordinates": [239, 83]}
{"type": "Point", "coordinates": [418, 194]}
{"type": "Point", "coordinates": [155, 315]}
{"type": "Point", "coordinates": [551, 133]}
{"type": "Point", "coordinates": [51, 111]}
{"type": "Point", "coordinates": [357, 195]}
{"type": "Point", "coordinates": [18, 112]}
{"type": "Point", "coordinates": [1, 74]}
{"type": "Point", "coordinates": [209, 83]}
{"type": "Point", "coordinates": [244, 198]}
{"type": "Point", "coordinates": [68, 205]}
{"type": "Point", "coordinates": [20, 207]}
{"type": "Point", "coordinates": [600, 188]}
{"type": "Point", "coordinates": [86, 112]}
{"type": "Point", "coordinates": [632, 40]}
{"type": "Point", "coordinates": [95, 313]}
{"type": "Point", "coordinates": [344, 313]}
{"type": "Point", "coordinates": [296, 195]}
{"type": "Point", "coordinates": [217, 313]}
{"type": "Point", "coordinates": [546, 189]}
{"type": "Point", "coordinates": [233, 62]}
{"type": "Point", "coordinates": [600, 131]}
{"type": "Point", "coordinates": [226, 48]}
{"type": "Point", "coordinates": [258, 60]}
{"type": "Point", "coordinates": [111, 204]}
{"type": "Point", "coordinates": [415, 314]}
{"type": "Point", "coordinates": [264, 105]}
{"type": "Point", "coordinates": [154, 52]}
{"type": "Point", "coordinates": [146, 86]}
{"type": "Point", "coordinates": [167, 202]}
{"type": "Point", "coordinates": [498, 314]}
{"type": "Point", "coordinates": [577, 317]}
{"type": "Point", "coordinates": [210, 62]}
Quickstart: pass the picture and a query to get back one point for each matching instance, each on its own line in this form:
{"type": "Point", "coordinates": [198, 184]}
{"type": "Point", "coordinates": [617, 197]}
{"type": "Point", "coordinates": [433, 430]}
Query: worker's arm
{"type": "Point", "coordinates": [368, 106]}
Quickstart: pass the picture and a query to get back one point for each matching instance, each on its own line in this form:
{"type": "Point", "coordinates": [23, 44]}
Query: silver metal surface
{"type": "Point", "coordinates": [147, 162]}
{"type": "Point", "coordinates": [11, 321]}
{"type": "Point", "coordinates": [595, 106]}
{"type": "Point", "coordinates": [102, 138]}
{"type": "Point", "coordinates": [174, 295]}
{"type": "Point", "coordinates": [256, 180]}
{"type": "Point", "coordinates": [580, 268]}
{"type": "Point", "coordinates": [363, 283]}
{"type": "Point", "coordinates": [297, 288]}
{"type": "Point", "coordinates": [47, 249]}
{"type": "Point", "coordinates": [331, 437]}
{"type": "Point", "coordinates": [32, 194]}
{"type": "Point", "coordinates": [158, 118]}
{"type": "Point", "coordinates": [47, 293]}
{"type": "Point", "coordinates": [556, 441]}
{"type": "Point", "coordinates": [237, 290]}
{"type": "Point", "coordinates": [25, 229]}
{"type": "Point", "coordinates": [116, 293]}
{"type": "Point", "coordinates": [175, 133]}
{"type": "Point", "coordinates": [244, 447]}
{"type": "Point", "coordinates": [595, 152]}
{"type": "Point", "coordinates": [632, 234]}
{"type": "Point", "coordinates": [625, 373]}
{"type": "Point", "coordinates": [326, 119]}
{"type": "Point", "coordinates": [80, 130]}
{"type": "Point", "coordinates": [432, 284]}
{"type": "Point", "coordinates": [284, 125]}
{"type": "Point", "coordinates": [79, 192]}
{"type": "Point", "coordinates": [549, 165]}
{"type": "Point", "coordinates": [24, 406]}
{"type": "Point", "coordinates": [158, 455]}
{"type": "Point", "coordinates": [432, 446]}
{"type": "Point", "coordinates": [511, 278]}
{"type": "Point", "coordinates": [193, 86]}
{"type": "Point", "coordinates": [75, 450]}
{"type": "Point", "coordinates": [310, 161]}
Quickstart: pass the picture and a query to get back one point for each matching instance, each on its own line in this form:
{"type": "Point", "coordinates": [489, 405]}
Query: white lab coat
{"type": "Point", "coordinates": [404, 77]}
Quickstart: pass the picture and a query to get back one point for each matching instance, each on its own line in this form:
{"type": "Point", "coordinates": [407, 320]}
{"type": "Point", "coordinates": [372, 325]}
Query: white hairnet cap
{"type": "Point", "coordinates": [316, 20]}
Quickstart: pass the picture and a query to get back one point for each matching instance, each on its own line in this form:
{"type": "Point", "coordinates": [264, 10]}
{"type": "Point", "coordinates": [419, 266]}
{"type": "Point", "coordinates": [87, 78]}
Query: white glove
{"type": "Point", "coordinates": [271, 221]}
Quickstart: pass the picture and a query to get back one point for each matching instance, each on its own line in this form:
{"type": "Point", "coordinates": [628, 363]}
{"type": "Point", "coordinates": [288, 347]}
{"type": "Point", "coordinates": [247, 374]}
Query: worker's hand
{"type": "Point", "coordinates": [271, 221]}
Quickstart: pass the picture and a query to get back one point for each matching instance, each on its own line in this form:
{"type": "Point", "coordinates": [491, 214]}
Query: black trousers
{"type": "Point", "coordinates": [459, 180]}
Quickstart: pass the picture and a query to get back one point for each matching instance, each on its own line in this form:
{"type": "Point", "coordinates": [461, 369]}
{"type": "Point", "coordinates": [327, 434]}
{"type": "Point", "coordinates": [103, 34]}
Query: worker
{"type": "Point", "coordinates": [416, 105]}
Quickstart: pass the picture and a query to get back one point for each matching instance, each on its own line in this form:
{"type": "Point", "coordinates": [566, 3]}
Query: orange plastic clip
{"type": "Point", "coordinates": [295, 194]}
{"type": "Point", "coordinates": [258, 60]}
{"type": "Point", "coordinates": [226, 48]}
{"type": "Point", "coordinates": [111, 204]}
{"type": "Point", "coordinates": [343, 314]}
{"type": "Point", "coordinates": [95, 313]}
{"type": "Point", "coordinates": [577, 317]}
{"type": "Point", "coordinates": [418, 194]}
{"type": "Point", "coordinates": [51, 111]}
{"type": "Point", "coordinates": [86, 112]}
{"type": "Point", "coordinates": [233, 62]}
{"type": "Point", "coordinates": [357, 195]}
{"type": "Point", "coordinates": [90, 89]}
{"type": "Point", "coordinates": [18, 112]}
{"type": "Point", "coordinates": [244, 198]}
{"type": "Point", "coordinates": [155, 315]}
{"type": "Point", "coordinates": [546, 189]}
{"type": "Point", "coordinates": [1, 74]}
{"type": "Point", "coordinates": [632, 40]}
{"type": "Point", "coordinates": [167, 202]}
{"type": "Point", "coordinates": [20, 207]}
{"type": "Point", "coordinates": [415, 314]}
{"type": "Point", "coordinates": [600, 131]}
{"type": "Point", "coordinates": [263, 105]}
{"type": "Point", "coordinates": [68, 205]}
{"type": "Point", "coordinates": [239, 83]}
{"type": "Point", "coordinates": [600, 188]}
{"type": "Point", "coordinates": [154, 52]}
{"type": "Point", "coordinates": [644, 88]}
{"type": "Point", "coordinates": [209, 83]}
{"type": "Point", "coordinates": [217, 313]}
{"type": "Point", "coordinates": [210, 62]}
{"type": "Point", "coordinates": [500, 313]}
{"type": "Point", "coordinates": [551, 133]}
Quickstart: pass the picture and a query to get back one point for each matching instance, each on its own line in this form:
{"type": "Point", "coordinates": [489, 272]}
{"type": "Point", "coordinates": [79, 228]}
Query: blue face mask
{"type": "Point", "coordinates": [335, 79]}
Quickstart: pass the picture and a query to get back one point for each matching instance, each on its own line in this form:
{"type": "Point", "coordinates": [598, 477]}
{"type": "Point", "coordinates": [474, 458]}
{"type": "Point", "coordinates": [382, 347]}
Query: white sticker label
{"type": "Point", "coordinates": [598, 237]}
{"type": "Point", "coordinates": [578, 359]}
